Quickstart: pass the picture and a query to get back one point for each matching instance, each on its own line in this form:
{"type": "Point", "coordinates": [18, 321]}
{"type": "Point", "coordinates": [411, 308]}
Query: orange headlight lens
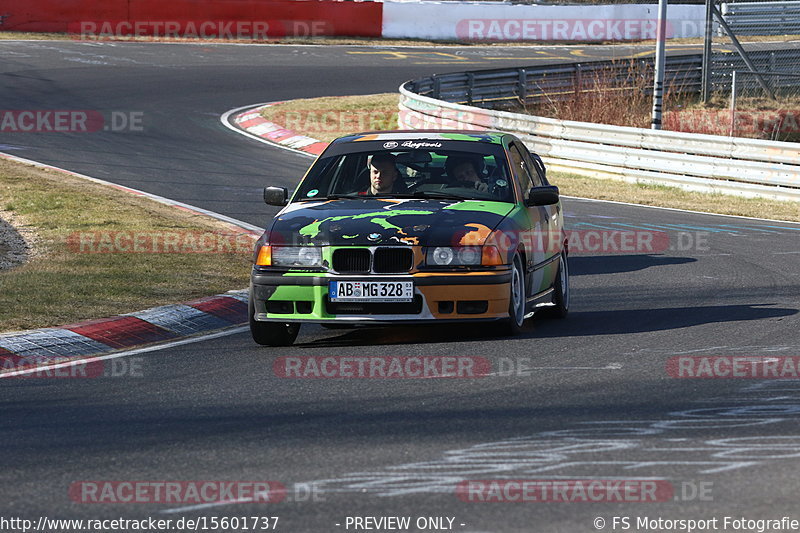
{"type": "Point", "coordinates": [264, 256]}
{"type": "Point", "coordinates": [490, 256]}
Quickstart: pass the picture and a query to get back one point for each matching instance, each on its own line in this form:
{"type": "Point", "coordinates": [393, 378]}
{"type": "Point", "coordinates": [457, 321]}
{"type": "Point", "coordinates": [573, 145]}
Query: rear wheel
{"type": "Point", "coordinates": [271, 333]}
{"type": "Point", "coordinates": [516, 300]}
{"type": "Point", "coordinates": [560, 291]}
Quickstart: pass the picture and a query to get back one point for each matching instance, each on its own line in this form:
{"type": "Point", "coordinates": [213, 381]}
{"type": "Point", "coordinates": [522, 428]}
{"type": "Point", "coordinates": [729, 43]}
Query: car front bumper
{"type": "Point", "coordinates": [439, 296]}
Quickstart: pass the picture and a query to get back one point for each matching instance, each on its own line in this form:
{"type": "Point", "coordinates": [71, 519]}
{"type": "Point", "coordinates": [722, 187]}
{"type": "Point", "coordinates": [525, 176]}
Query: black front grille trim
{"type": "Point", "coordinates": [383, 260]}
{"type": "Point", "coordinates": [352, 260]}
{"type": "Point", "coordinates": [392, 260]}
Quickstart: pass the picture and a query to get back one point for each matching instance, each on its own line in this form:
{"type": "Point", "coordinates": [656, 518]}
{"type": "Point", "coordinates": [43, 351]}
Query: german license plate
{"type": "Point", "coordinates": [371, 291]}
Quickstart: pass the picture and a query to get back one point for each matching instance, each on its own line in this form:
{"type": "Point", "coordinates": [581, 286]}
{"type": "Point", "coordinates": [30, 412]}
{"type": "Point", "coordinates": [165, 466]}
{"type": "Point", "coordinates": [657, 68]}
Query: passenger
{"type": "Point", "coordinates": [465, 172]}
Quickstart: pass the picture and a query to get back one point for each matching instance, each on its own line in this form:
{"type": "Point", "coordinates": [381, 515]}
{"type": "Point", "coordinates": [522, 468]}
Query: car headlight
{"type": "Point", "coordinates": [297, 256]}
{"type": "Point", "coordinates": [448, 256]}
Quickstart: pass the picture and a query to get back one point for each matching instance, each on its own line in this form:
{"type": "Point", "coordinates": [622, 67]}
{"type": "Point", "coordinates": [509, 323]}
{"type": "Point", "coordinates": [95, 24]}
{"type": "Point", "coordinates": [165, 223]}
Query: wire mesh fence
{"type": "Point", "coordinates": [768, 31]}
{"type": "Point", "coordinates": [751, 73]}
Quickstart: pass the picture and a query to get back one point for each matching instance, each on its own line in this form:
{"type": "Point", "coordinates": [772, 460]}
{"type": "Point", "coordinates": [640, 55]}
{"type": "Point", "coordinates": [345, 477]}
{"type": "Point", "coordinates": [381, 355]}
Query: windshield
{"type": "Point", "coordinates": [478, 174]}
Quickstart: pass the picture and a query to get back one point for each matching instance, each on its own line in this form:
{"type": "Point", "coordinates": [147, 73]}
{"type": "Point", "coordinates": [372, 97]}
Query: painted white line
{"type": "Point", "coordinates": [513, 373]}
{"type": "Point", "coordinates": [115, 355]}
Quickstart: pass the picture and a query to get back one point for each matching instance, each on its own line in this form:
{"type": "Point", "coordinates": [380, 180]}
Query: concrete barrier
{"type": "Point", "coordinates": [194, 18]}
{"type": "Point", "coordinates": [495, 21]}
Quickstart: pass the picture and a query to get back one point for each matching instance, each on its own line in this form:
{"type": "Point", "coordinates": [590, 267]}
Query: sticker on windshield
{"type": "Point", "coordinates": [312, 193]}
{"type": "Point", "coordinates": [421, 144]}
{"type": "Point", "coordinates": [501, 183]}
{"type": "Point", "coordinates": [389, 145]}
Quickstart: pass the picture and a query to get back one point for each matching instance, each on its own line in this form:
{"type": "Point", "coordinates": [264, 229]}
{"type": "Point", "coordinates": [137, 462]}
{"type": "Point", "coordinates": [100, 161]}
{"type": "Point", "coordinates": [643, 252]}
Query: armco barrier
{"type": "Point", "coordinates": [762, 18]}
{"type": "Point", "coordinates": [333, 18]}
{"type": "Point", "coordinates": [534, 84]}
{"type": "Point", "coordinates": [732, 165]}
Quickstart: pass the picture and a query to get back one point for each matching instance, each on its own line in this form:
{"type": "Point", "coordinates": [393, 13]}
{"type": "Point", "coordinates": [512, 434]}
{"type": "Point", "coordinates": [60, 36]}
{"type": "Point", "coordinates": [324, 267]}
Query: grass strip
{"type": "Point", "coordinates": [100, 251]}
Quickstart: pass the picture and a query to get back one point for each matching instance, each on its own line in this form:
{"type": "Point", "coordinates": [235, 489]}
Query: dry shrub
{"type": "Point", "coordinates": [621, 97]}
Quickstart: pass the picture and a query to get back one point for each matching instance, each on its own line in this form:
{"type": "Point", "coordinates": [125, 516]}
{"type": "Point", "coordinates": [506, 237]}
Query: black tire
{"type": "Point", "coordinates": [560, 292]}
{"type": "Point", "coordinates": [516, 300]}
{"type": "Point", "coordinates": [271, 333]}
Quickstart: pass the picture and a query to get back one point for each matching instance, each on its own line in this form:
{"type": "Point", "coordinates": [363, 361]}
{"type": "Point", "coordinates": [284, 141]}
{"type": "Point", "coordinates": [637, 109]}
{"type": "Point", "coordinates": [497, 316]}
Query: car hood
{"type": "Point", "coordinates": [387, 221]}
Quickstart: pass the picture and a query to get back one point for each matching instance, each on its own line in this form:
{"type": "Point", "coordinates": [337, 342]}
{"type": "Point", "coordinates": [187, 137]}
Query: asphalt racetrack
{"type": "Point", "coordinates": [591, 397]}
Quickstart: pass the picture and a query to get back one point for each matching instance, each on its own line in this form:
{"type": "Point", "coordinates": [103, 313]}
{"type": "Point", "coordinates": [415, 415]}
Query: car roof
{"type": "Point", "coordinates": [451, 135]}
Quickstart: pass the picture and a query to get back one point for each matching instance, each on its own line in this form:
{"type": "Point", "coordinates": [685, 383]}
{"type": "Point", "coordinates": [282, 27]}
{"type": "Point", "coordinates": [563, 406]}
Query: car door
{"type": "Point", "coordinates": [543, 243]}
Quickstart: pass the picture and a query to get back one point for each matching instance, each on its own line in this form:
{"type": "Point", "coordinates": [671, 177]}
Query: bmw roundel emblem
{"type": "Point", "coordinates": [389, 145]}
{"type": "Point", "coordinates": [374, 236]}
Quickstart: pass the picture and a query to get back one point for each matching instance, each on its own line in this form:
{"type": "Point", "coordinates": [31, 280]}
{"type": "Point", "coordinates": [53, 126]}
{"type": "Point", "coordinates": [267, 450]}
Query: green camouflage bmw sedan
{"type": "Point", "coordinates": [412, 226]}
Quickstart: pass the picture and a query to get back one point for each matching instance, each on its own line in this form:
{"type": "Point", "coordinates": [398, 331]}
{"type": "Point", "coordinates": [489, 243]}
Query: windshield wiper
{"type": "Point", "coordinates": [439, 194]}
{"type": "Point", "coordinates": [333, 197]}
{"type": "Point", "coordinates": [336, 196]}
{"type": "Point", "coordinates": [418, 194]}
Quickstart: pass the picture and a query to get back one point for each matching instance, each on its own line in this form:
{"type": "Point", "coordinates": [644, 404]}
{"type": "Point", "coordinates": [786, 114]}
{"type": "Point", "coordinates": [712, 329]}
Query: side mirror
{"type": "Point", "coordinates": [543, 196]}
{"type": "Point", "coordinates": [276, 196]}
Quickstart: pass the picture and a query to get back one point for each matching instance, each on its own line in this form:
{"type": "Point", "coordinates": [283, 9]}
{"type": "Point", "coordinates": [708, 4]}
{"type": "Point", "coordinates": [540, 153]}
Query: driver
{"type": "Point", "coordinates": [465, 172]}
{"type": "Point", "coordinates": [383, 175]}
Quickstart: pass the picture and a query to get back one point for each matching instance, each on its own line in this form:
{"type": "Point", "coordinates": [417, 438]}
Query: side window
{"type": "Point", "coordinates": [531, 165]}
{"type": "Point", "coordinates": [520, 168]}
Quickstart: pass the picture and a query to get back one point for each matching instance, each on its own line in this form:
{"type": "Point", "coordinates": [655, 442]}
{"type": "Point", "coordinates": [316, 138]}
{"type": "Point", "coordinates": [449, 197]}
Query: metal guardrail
{"type": "Point", "coordinates": [503, 88]}
{"type": "Point", "coordinates": [763, 18]}
{"type": "Point", "coordinates": [531, 85]}
{"type": "Point", "coordinates": [750, 167]}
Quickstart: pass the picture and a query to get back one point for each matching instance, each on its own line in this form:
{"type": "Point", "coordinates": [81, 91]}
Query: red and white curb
{"type": "Point", "coordinates": [38, 348]}
{"type": "Point", "coordinates": [257, 126]}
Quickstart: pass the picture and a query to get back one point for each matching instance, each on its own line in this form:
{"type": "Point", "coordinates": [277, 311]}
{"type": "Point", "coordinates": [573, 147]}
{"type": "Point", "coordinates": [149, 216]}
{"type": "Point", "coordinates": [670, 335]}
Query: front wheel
{"type": "Point", "coordinates": [271, 333]}
{"type": "Point", "coordinates": [516, 300]}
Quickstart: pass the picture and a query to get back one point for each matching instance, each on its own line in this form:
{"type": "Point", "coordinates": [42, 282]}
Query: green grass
{"type": "Point", "coordinates": [63, 284]}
